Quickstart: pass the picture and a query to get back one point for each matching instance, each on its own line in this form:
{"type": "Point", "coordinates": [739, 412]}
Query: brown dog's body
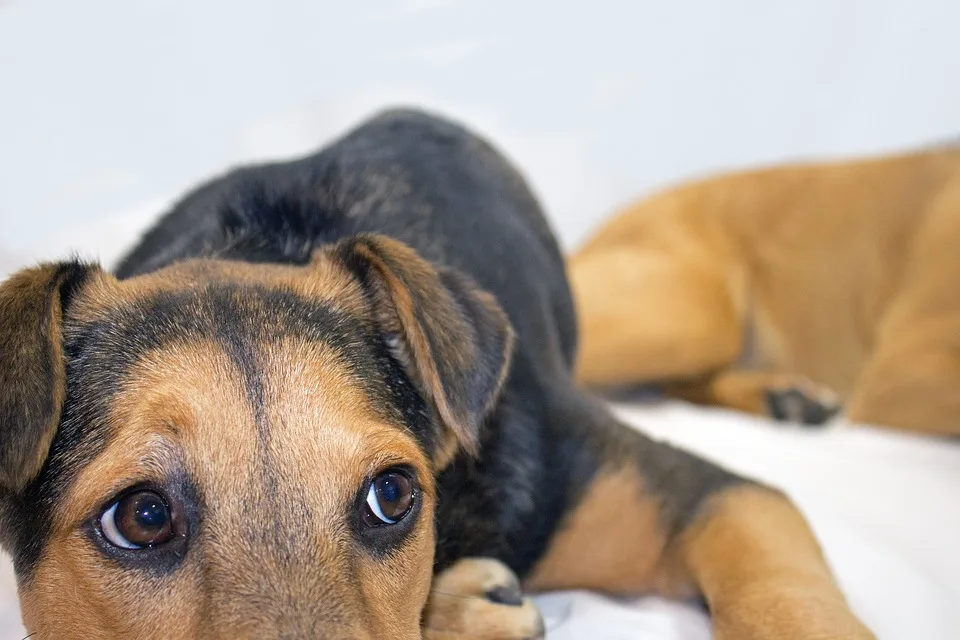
{"type": "Point", "coordinates": [332, 398]}
{"type": "Point", "coordinates": [739, 290]}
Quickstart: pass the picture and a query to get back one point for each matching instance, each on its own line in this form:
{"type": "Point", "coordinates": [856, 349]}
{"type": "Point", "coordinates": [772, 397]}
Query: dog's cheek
{"type": "Point", "coordinates": [113, 602]}
{"type": "Point", "coordinates": [397, 584]}
{"type": "Point", "coordinates": [47, 598]}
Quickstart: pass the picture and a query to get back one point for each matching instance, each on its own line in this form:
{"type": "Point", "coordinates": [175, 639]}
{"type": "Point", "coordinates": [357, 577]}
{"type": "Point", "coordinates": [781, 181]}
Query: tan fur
{"type": "Point", "coordinates": [745, 390]}
{"type": "Point", "coordinates": [321, 280]}
{"type": "Point", "coordinates": [31, 370]}
{"type": "Point", "coordinates": [404, 279]}
{"type": "Point", "coordinates": [841, 273]}
{"type": "Point", "coordinates": [762, 571]}
{"type": "Point", "coordinates": [458, 607]}
{"type": "Point", "coordinates": [626, 558]}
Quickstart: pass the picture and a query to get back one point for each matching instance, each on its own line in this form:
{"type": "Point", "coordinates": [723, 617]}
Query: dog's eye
{"type": "Point", "coordinates": [389, 499]}
{"type": "Point", "coordinates": [137, 520]}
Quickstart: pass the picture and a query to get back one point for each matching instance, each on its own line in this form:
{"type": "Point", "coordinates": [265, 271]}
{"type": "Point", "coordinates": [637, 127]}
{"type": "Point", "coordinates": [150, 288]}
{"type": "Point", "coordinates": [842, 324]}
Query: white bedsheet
{"type": "Point", "coordinates": [884, 505]}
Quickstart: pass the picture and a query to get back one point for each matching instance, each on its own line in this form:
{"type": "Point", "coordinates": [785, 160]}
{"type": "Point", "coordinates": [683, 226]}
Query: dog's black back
{"type": "Point", "coordinates": [417, 178]}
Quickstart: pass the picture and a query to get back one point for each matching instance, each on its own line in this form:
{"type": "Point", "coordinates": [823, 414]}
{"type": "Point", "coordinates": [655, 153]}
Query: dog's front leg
{"type": "Point", "coordinates": [754, 558]}
{"type": "Point", "coordinates": [652, 518]}
{"type": "Point", "coordinates": [479, 599]}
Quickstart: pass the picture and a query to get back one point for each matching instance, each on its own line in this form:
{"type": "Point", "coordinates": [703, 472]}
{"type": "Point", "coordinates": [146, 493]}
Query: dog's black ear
{"type": "Point", "coordinates": [32, 368]}
{"type": "Point", "coordinates": [452, 337]}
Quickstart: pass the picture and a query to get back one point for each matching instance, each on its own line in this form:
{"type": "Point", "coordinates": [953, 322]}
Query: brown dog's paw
{"type": "Point", "coordinates": [802, 402]}
{"type": "Point", "coordinates": [479, 599]}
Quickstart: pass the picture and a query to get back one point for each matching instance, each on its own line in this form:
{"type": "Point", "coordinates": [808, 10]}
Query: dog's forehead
{"type": "Point", "coordinates": [266, 326]}
{"type": "Point", "coordinates": [234, 309]}
{"type": "Point", "coordinates": [322, 280]}
{"type": "Point", "coordinates": [234, 305]}
{"type": "Point", "coordinates": [303, 427]}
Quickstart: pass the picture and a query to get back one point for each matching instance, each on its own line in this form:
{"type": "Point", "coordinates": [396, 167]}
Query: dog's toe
{"type": "Point", "coordinates": [802, 403]}
{"type": "Point", "coordinates": [482, 599]}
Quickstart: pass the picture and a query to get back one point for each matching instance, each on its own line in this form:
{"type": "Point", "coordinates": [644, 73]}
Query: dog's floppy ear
{"type": "Point", "coordinates": [32, 375]}
{"type": "Point", "coordinates": [452, 337]}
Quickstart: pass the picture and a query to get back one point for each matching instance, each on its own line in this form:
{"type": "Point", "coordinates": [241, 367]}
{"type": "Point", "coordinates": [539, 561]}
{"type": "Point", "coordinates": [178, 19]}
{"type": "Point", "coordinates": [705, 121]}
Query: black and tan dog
{"type": "Point", "coordinates": [787, 291]}
{"type": "Point", "coordinates": [333, 399]}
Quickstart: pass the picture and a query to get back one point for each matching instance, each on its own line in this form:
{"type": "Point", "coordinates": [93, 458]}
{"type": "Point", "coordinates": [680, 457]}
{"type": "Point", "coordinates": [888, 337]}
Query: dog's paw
{"type": "Point", "coordinates": [802, 402]}
{"type": "Point", "coordinates": [480, 599]}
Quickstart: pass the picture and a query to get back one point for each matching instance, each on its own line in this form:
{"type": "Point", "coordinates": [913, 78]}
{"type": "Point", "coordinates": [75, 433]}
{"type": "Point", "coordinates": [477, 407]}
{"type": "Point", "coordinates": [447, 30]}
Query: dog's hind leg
{"type": "Point", "coordinates": [653, 518]}
{"type": "Point", "coordinates": [647, 316]}
{"type": "Point", "coordinates": [785, 397]}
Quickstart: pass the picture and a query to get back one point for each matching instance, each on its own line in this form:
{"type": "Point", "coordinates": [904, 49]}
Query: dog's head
{"type": "Point", "coordinates": [221, 449]}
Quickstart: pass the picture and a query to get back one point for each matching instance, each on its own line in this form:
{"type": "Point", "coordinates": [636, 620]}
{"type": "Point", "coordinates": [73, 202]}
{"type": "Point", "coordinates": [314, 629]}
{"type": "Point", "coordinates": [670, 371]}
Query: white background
{"type": "Point", "coordinates": [108, 109]}
{"type": "Point", "coordinates": [107, 105]}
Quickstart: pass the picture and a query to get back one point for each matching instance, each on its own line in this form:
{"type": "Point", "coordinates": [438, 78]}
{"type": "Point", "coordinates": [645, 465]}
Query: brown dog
{"type": "Point", "coordinates": [332, 398]}
{"type": "Point", "coordinates": [741, 290]}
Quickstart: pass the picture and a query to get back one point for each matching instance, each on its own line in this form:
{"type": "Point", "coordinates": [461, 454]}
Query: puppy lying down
{"type": "Point", "coordinates": [332, 398]}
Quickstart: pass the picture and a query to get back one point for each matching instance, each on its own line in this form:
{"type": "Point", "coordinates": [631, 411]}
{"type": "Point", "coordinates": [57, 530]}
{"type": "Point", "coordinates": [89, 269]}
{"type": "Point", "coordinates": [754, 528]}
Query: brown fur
{"type": "Point", "coordinates": [323, 281]}
{"type": "Point", "coordinates": [458, 607]}
{"type": "Point", "coordinates": [409, 295]}
{"type": "Point", "coordinates": [625, 558]}
{"type": "Point", "coordinates": [31, 370]}
{"type": "Point", "coordinates": [732, 287]}
{"type": "Point", "coordinates": [751, 552]}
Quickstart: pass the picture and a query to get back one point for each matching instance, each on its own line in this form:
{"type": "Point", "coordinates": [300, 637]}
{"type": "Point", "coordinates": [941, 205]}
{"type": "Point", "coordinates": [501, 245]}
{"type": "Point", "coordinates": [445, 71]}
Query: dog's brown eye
{"type": "Point", "coordinates": [137, 520]}
{"type": "Point", "coordinates": [389, 499]}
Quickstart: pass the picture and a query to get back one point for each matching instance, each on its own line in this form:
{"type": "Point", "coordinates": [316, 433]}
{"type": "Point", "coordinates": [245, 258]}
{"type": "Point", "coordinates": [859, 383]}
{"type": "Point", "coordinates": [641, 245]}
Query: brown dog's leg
{"type": "Point", "coordinates": [479, 599]}
{"type": "Point", "coordinates": [781, 396]}
{"type": "Point", "coordinates": [647, 316]}
{"type": "Point", "coordinates": [657, 519]}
